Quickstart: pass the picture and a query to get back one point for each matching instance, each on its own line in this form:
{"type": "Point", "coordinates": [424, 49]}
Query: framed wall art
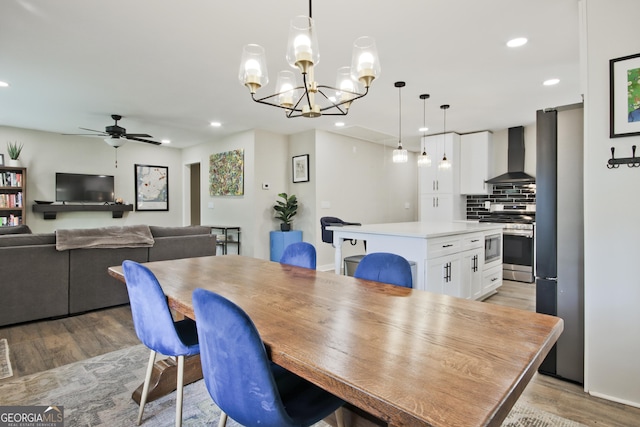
{"type": "Point", "coordinates": [152, 188]}
{"type": "Point", "coordinates": [226, 173]}
{"type": "Point", "coordinates": [624, 87]}
{"type": "Point", "coordinates": [300, 168]}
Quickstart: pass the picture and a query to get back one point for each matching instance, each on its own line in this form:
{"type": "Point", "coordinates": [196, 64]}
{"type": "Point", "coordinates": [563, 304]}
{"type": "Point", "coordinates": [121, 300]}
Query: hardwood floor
{"type": "Point", "coordinates": [44, 345]}
{"type": "Point", "coordinates": [560, 397]}
{"type": "Point", "coordinates": [38, 346]}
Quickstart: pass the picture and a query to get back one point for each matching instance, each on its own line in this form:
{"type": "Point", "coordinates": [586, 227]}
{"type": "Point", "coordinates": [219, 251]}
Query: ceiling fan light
{"type": "Point", "coordinates": [115, 142]}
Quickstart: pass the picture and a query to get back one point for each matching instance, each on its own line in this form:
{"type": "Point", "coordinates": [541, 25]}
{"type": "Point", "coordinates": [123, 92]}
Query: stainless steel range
{"type": "Point", "coordinates": [518, 249]}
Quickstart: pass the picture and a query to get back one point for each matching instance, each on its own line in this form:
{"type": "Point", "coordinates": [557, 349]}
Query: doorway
{"type": "Point", "coordinates": [194, 193]}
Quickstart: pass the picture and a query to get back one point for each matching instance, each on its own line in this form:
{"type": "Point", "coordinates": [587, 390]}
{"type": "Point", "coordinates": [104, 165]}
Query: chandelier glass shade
{"type": "Point", "coordinates": [400, 155]}
{"type": "Point", "coordinates": [308, 98]}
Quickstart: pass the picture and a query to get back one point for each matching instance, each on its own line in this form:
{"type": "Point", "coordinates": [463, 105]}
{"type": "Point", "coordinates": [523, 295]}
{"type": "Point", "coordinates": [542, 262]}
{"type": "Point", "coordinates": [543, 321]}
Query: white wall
{"type": "Point", "coordinates": [273, 165]}
{"type": "Point", "coordinates": [264, 154]}
{"type": "Point", "coordinates": [612, 230]}
{"type": "Point", "coordinates": [360, 183]}
{"type": "Point", "coordinates": [305, 220]}
{"type": "Point", "coordinates": [46, 153]}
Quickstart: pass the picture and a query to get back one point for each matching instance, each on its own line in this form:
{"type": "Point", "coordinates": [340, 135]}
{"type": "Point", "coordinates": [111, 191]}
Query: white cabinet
{"type": "Point", "coordinates": [439, 188]}
{"type": "Point", "coordinates": [475, 162]}
{"type": "Point", "coordinates": [436, 207]}
{"type": "Point", "coordinates": [434, 179]}
{"type": "Point", "coordinates": [472, 273]}
{"type": "Point", "coordinates": [491, 280]}
{"type": "Point", "coordinates": [443, 276]}
{"type": "Point", "coordinates": [455, 266]}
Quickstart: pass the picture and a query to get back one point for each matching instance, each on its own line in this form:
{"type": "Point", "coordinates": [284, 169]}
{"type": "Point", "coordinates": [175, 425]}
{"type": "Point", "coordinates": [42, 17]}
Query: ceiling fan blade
{"type": "Point", "coordinates": [138, 135]}
{"type": "Point", "coordinates": [93, 130]}
{"type": "Point", "coordinates": [128, 136]}
{"type": "Point", "coordinates": [84, 134]}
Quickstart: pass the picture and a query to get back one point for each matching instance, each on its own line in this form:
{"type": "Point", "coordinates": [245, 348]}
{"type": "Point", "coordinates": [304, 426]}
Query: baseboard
{"type": "Point", "coordinates": [614, 399]}
{"type": "Point", "coordinates": [326, 267]}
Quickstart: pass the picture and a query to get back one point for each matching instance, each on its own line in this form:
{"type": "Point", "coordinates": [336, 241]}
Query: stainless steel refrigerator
{"type": "Point", "coordinates": [559, 235]}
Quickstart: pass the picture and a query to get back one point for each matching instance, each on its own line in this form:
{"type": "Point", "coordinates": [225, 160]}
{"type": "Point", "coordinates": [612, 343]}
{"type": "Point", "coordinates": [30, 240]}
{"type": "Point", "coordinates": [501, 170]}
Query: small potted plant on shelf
{"type": "Point", "coordinates": [14, 149]}
{"type": "Point", "coordinates": [285, 210]}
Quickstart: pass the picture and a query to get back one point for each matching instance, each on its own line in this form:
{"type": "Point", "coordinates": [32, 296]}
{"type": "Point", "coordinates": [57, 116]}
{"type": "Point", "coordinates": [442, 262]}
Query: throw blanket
{"type": "Point", "coordinates": [132, 236]}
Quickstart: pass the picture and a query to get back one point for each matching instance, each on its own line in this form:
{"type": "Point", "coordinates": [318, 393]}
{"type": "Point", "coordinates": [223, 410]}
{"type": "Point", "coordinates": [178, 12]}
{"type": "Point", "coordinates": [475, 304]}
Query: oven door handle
{"type": "Point", "coordinates": [519, 233]}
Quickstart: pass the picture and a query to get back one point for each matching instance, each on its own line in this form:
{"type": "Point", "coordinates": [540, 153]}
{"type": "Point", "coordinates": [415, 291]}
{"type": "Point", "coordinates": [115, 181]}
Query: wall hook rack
{"type": "Point", "coordinates": [632, 162]}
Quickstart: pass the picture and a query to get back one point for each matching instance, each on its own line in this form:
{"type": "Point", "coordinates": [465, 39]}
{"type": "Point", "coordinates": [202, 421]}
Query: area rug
{"type": "Point", "coordinates": [5, 362]}
{"type": "Point", "coordinates": [97, 392]}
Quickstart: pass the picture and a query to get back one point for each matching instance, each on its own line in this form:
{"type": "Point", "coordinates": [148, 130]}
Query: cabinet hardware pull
{"type": "Point", "coordinates": [447, 246]}
{"type": "Point", "coordinates": [475, 240]}
{"type": "Point", "coordinates": [494, 279]}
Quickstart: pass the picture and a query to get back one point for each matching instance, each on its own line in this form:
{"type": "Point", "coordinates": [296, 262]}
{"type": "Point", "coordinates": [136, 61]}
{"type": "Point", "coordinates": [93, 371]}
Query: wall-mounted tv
{"type": "Point", "coordinates": [82, 188]}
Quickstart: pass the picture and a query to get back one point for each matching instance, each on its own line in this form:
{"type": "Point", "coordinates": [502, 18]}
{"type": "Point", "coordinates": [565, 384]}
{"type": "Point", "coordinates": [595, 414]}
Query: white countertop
{"type": "Point", "coordinates": [421, 230]}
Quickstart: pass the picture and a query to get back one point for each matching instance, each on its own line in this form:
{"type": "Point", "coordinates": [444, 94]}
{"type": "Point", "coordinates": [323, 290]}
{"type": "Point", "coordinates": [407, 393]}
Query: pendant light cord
{"type": "Point", "coordinates": [400, 117]}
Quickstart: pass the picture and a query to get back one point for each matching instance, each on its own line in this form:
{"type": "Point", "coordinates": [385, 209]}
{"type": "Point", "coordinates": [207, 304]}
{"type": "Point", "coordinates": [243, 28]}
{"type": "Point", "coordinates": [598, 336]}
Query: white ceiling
{"type": "Point", "coordinates": [170, 67]}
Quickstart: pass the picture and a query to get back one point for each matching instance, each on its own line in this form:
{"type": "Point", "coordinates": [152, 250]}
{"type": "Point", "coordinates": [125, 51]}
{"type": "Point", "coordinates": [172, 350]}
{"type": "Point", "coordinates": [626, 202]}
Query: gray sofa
{"type": "Point", "coordinates": [38, 282]}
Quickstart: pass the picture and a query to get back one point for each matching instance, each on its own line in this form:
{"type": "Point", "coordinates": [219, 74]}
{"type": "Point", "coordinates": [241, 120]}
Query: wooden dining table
{"type": "Point", "coordinates": [408, 357]}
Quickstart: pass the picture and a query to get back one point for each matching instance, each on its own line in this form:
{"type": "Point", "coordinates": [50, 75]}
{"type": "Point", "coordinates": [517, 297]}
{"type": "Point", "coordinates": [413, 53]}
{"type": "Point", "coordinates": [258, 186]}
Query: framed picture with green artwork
{"type": "Point", "coordinates": [624, 92]}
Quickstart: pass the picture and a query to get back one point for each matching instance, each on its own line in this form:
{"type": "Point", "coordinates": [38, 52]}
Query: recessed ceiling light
{"type": "Point", "coordinates": [216, 124]}
{"type": "Point", "coordinates": [551, 82]}
{"type": "Point", "coordinates": [4, 84]}
{"type": "Point", "coordinates": [339, 124]}
{"type": "Point", "coordinates": [165, 141]}
{"type": "Point", "coordinates": [423, 129]}
{"type": "Point", "coordinates": [517, 42]}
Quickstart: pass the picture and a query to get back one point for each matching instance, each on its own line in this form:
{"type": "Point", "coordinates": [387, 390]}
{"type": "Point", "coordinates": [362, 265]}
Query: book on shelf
{"type": "Point", "coordinates": [10, 179]}
{"type": "Point", "coordinates": [11, 220]}
{"type": "Point", "coordinates": [11, 200]}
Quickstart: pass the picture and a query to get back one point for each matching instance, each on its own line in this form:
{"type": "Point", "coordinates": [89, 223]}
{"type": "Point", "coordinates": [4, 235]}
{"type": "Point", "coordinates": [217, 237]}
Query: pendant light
{"type": "Point", "coordinates": [444, 163]}
{"type": "Point", "coordinates": [400, 154]}
{"type": "Point", "coordinates": [423, 159]}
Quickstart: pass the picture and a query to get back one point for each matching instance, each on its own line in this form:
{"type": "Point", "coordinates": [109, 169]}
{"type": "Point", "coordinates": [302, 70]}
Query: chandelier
{"type": "Point", "coordinates": [310, 99]}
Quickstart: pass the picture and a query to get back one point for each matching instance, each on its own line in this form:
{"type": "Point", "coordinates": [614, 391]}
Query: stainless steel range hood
{"type": "Point", "coordinates": [515, 163]}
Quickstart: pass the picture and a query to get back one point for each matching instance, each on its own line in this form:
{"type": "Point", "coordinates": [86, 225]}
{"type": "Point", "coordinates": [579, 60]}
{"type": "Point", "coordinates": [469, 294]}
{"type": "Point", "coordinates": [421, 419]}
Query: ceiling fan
{"type": "Point", "coordinates": [117, 135]}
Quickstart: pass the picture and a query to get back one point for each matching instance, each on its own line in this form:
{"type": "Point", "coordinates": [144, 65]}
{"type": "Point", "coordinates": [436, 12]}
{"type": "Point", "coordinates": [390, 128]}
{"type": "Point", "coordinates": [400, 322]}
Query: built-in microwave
{"type": "Point", "coordinates": [492, 248]}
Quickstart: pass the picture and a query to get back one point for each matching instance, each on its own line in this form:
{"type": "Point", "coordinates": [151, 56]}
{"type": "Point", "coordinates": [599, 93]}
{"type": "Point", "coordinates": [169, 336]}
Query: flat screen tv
{"type": "Point", "coordinates": [82, 188]}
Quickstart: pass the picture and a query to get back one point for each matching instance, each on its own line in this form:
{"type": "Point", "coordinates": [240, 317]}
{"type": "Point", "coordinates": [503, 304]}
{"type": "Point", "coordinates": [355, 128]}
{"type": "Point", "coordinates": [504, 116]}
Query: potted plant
{"type": "Point", "coordinates": [14, 151]}
{"type": "Point", "coordinates": [286, 209]}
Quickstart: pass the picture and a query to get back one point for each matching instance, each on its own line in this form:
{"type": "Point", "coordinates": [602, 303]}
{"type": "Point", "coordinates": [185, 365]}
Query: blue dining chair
{"type": "Point", "coordinates": [300, 254]}
{"type": "Point", "coordinates": [156, 328]}
{"type": "Point", "coordinates": [241, 379]}
{"type": "Point", "coordinates": [386, 268]}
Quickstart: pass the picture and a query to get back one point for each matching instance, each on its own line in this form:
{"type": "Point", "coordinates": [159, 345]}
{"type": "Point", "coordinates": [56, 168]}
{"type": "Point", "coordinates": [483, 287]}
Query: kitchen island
{"type": "Point", "coordinates": [449, 256]}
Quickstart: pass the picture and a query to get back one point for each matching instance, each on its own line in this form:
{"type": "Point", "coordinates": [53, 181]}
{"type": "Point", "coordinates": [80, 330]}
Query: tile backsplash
{"type": "Point", "coordinates": [502, 193]}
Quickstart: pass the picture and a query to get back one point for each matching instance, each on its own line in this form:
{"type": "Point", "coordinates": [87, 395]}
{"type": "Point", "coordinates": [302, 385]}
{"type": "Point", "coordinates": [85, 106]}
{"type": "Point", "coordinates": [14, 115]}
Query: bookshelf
{"type": "Point", "coordinates": [13, 185]}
